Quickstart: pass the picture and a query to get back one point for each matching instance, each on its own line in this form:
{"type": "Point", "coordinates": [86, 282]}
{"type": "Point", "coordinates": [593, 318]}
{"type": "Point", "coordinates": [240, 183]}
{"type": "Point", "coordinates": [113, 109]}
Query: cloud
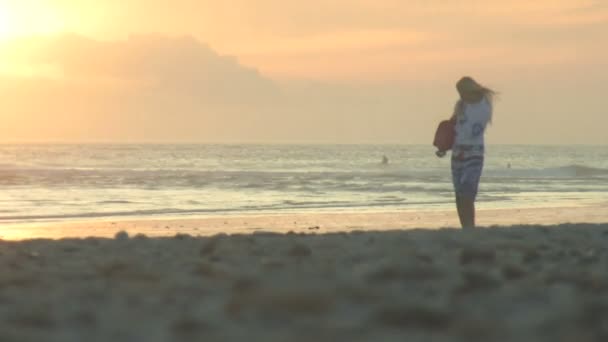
{"type": "Point", "coordinates": [274, 35]}
{"type": "Point", "coordinates": [183, 66]}
{"type": "Point", "coordinates": [155, 88]}
{"type": "Point", "coordinates": [345, 40]}
{"type": "Point", "coordinates": [143, 88]}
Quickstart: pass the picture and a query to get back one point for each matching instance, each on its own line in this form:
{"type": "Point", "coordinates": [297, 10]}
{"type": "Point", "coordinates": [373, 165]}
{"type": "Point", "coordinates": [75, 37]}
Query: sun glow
{"type": "Point", "coordinates": [17, 19]}
{"type": "Point", "coordinates": [5, 24]}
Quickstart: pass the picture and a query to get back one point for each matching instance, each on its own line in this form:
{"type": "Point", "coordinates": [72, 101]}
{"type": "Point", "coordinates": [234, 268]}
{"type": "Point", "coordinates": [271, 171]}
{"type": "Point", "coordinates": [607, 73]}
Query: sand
{"type": "Point", "coordinates": [517, 283]}
{"type": "Point", "coordinates": [330, 222]}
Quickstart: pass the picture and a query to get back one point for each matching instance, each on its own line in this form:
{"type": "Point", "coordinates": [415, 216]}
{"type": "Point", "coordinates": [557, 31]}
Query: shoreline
{"type": "Point", "coordinates": [318, 222]}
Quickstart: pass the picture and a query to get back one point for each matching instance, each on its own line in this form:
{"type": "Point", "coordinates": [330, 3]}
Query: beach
{"type": "Point", "coordinates": [299, 171]}
{"type": "Point", "coordinates": [299, 222]}
{"type": "Point", "coordinates": [299, 243]}
{"type": "Point", "coordinates": [386, 276]}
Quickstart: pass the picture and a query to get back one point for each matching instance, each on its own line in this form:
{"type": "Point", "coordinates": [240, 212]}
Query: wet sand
{"type": "Point", "coordinates": [515, 283]}
{"type": "Point", "coordinates": [303, 222]}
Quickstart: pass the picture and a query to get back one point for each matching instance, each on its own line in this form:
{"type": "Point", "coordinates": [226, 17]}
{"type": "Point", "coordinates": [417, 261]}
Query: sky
{"type": "Point", "coordinates": [270, 71]}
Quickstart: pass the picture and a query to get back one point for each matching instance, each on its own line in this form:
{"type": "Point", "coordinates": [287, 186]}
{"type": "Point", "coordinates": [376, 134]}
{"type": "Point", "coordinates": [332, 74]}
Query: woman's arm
{"type": "Point", "coordinates": [458, 109]}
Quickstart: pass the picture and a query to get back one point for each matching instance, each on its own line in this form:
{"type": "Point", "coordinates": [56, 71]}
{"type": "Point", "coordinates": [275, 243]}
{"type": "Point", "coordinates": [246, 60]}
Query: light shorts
{"type": "Point", "coordinates": [465, 175]}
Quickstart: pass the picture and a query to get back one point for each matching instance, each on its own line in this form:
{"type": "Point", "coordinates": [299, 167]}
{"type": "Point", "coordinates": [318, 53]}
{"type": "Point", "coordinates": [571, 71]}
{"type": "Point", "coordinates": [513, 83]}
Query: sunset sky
{"type": "Point", "coordinates": [337, 71]}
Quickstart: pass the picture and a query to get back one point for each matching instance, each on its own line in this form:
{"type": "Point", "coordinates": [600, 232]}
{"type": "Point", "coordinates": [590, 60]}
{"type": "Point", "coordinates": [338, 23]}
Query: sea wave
{"type": "Point", "coordinates": [428, 181]}
{"type": "Point", "coordinates": [60, 182]}
{"type": "Point", "coordinates": [573, 171]}
{"type": "Point", "coordinates": [584, 171]}
{"type": "Point", "coordinates": [195, 212]}
{"type": "Point", "coordinates": [195, 179]}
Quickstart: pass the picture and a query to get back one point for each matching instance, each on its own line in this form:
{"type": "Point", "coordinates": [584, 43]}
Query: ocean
{"type": "Point", "coordinates": [72, 182]}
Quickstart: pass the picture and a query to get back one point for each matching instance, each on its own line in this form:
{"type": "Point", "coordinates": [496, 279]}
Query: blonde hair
{"type": "Point", "coordinates": [470, 86]}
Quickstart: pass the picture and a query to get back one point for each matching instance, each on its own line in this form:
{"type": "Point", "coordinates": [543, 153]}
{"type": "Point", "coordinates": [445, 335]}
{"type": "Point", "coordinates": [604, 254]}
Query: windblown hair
{"type": "Point", "coordinates": [469, 86]}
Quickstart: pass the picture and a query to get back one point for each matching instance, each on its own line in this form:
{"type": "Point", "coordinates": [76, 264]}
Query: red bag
{"type": "Point", "coordinates": [445, 135]}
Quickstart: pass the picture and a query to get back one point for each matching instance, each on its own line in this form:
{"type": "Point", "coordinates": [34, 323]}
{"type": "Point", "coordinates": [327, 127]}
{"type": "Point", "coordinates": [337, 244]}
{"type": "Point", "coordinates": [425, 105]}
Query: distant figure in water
{"type": "Point", "coordinates": [473, 112]}
{"type": "Point", "coordinates": [385, 160]}
{"type": "Point", "coordinates": [508, 165]}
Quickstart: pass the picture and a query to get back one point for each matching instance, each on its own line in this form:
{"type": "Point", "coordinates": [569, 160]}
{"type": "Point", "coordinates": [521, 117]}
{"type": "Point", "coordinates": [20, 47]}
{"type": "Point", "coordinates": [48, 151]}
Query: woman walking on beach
{"type": "Point", "coordinates": [472, 114]}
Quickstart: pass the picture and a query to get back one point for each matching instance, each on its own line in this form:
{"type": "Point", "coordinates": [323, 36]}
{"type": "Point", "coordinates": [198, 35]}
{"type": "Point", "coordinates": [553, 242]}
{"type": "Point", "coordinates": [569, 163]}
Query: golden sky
{"type": "Point", "coordinates": [375, 70]}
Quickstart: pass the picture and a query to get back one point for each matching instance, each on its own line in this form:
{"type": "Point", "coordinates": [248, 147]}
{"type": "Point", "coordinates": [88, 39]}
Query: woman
{"type": "Point", "coordinates": [472, 113]}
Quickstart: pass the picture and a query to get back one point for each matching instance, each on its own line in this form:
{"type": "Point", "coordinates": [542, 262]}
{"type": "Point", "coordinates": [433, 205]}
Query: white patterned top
{"type": "Point", "coordinates": [471, 122]}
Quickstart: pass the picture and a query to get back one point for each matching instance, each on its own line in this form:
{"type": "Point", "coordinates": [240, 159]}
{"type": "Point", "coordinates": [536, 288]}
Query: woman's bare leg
{"type": "Point", "coordinates": [466, 211]}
